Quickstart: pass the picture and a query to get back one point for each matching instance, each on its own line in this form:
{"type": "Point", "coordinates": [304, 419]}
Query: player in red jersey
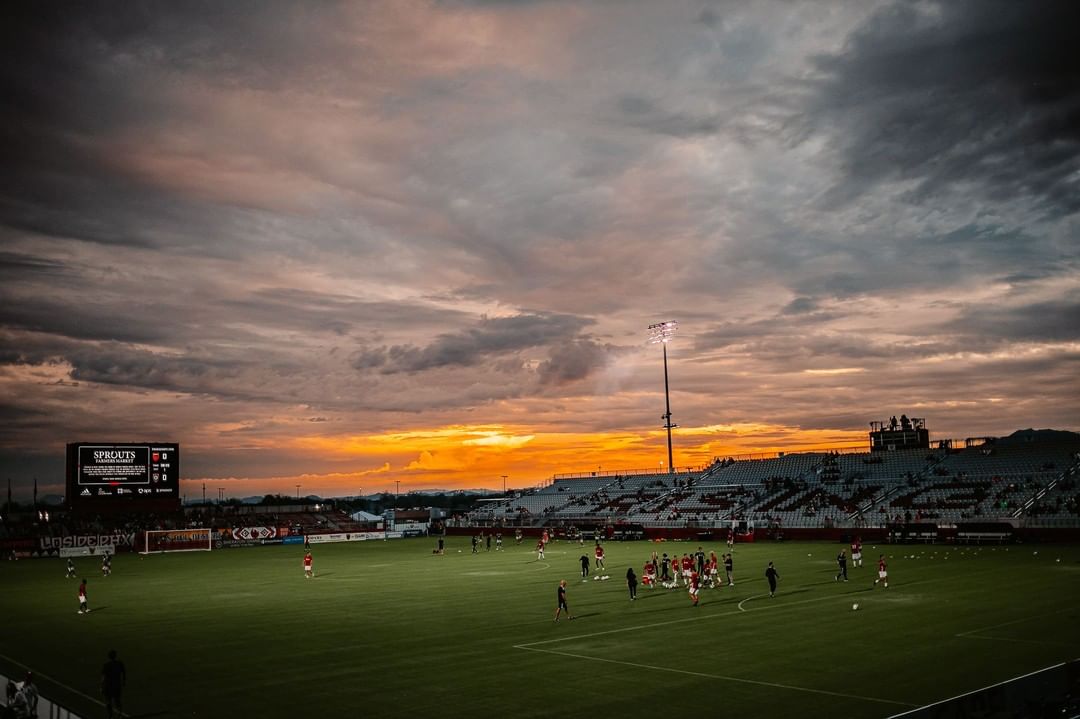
{"type": "Point", "coordinates": [882, 573]}
{"type": "Point", "coordinates": [540, 550]}
{"type": "Point", "coordinates": [600, 557]}
{"type": "Point", "coordinates": [546, 537]}
{"type": "Point", "coordinates": [692, 582]}
{"type": "Point", "coordinates": [856, 552]}
{"type": "Point", "coordinates": [308, 571]}
{"type": "Point", "coordinates": [714, 570]}
{"type": "Point", "coordinates": [648, 575]}
{"type": "Point", "coordinates": [687, 567]}
{"type": "Point", "coordinates": [83, 608]}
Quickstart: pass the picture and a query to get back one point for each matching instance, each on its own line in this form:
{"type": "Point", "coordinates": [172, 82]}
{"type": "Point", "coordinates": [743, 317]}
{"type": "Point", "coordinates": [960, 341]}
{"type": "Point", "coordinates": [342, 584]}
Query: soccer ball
{"type": "Point", "coordinates": [855, 607]}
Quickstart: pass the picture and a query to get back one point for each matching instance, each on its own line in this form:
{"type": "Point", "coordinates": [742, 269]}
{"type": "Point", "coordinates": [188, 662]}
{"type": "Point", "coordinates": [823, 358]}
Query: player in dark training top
{"type": "Point", "coordinates": [841, 563]}
{"type": "Point", "coordinates": [772, 575]}
{"type": "Point", "coordinates": [562, 601]}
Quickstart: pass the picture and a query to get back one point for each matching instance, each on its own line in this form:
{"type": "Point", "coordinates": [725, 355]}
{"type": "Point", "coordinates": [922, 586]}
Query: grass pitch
{"type": "Point", "coordinates": [387, 628]}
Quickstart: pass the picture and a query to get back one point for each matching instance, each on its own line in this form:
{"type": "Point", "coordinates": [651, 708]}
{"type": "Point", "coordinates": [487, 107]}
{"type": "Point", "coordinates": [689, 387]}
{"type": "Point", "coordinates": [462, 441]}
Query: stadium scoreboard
{"type": "Point", "coordinates": [127, 474]}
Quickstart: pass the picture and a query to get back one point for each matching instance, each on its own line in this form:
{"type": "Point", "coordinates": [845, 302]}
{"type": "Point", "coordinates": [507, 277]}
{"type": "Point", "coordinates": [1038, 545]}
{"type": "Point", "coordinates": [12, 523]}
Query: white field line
{"type": "Point", "coordinates": [754, 596]}
{"type": "Point", "coordinates": [717, 676]}
{"type": "Point", "coordinates": [981, 689]}
{"type": "Point", "coordinates": [980, 630]}
{"type": "Point", "coordinates": [979, 633]}
{"type": "Point", "coordinates": [705, 617]}
{"type": "Point", "coordinates": [52, 680]}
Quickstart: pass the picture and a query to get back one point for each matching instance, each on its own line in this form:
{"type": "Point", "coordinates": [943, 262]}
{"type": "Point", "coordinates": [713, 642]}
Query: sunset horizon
{"type": "Point", "coordinates": [368, 246]}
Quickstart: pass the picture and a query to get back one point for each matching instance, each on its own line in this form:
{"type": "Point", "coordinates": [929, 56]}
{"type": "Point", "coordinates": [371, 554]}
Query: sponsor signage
{"type": "Point", "coordinates": [86, 551]}
{"type": "Point", "coordinates": [350, 537]}
{"type": "Point", "coordinates": [100, 474]}
{"type": "Point", "coordinates": [254, 534]}
{"type": "Point", "coordinates": [89, 540]}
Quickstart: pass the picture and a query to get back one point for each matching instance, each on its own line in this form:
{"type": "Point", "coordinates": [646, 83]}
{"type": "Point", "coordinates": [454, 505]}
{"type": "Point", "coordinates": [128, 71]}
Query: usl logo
{"type": "Point", "coordinates": [254, 533]}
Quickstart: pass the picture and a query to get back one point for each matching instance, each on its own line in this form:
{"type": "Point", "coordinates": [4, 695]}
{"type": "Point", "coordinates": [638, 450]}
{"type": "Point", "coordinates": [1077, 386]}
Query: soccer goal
{"type": "Point", "coordinates": [156, 541]}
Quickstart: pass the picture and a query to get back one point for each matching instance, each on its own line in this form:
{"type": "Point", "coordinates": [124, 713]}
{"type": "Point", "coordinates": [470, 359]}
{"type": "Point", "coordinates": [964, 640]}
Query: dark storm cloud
{"type": "Point", "coordinates": [77, 78]}
{"type": "Point", "coordinates": [982, 93]}
{"type": "Point", "coordinates": [1051, 321]}
{"type": "Point", "coordinates": [117, 364]}
{"type": "Point", "coordinates": [489, 339]}
{"type": "Point", "coordinates": [305, 309]}
{"type": "Point", "coordinates": [89, 320]}
{"type": "Point", "coordinates": [575, 360]}
{"type": "Point", "coordinates": [19, 266]}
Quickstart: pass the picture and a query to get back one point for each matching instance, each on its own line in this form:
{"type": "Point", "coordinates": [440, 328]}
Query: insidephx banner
{"type": "Point", "coordinates": [123, 475]}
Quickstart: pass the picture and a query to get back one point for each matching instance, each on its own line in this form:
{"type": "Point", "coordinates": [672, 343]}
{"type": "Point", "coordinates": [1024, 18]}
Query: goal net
{"type": "Point", "coordinates": [176, 540]}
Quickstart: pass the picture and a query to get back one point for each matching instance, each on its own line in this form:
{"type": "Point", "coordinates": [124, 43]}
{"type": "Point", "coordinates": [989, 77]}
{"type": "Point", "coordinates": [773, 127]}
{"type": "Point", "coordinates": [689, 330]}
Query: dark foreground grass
{"type": "Point", "coordinates": [387, 629]}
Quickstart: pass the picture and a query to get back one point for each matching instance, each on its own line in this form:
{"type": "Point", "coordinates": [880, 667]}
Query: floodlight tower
{"type": "Point", "coordinates": [661, 333]}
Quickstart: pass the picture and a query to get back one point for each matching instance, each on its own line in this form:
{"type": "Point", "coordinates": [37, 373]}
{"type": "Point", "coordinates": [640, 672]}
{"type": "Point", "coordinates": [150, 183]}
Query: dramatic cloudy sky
{"type": "Point", "coordinates": [347, 244]}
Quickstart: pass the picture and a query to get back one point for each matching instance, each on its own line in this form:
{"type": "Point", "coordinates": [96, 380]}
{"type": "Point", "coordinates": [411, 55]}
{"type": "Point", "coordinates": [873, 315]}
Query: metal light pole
{"type": "Point", "coordinates": [504, 482]}
{"type": "Point", "coordinates": [661, 333]}
{"type": "Point", "coordinates": [298, 491]}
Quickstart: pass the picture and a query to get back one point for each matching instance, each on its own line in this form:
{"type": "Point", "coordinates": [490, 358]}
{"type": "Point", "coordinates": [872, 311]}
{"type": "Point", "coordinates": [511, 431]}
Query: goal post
{"type": "Point", "coordinates": [158, 541]}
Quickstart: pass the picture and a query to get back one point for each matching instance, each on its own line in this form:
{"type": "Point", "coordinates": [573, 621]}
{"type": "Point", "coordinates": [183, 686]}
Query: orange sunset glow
{"type": "Point", "coordinates": [397, 246]}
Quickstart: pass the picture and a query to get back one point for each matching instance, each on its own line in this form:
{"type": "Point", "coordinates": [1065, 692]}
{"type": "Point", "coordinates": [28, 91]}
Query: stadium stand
{"type": "Point", "coordinates": [971, 490]}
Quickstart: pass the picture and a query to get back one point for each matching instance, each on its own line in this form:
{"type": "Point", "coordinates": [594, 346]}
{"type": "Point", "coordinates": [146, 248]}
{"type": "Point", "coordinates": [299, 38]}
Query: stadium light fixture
{"type": "Point", "coordinates": [661, 333]}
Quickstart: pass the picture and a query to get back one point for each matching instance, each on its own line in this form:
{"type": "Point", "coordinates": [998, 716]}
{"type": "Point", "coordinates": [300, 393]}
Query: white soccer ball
{"type": "Point", "coordinates": [596, 577]}
{"type": "Point", "coordinates": [855, 607]}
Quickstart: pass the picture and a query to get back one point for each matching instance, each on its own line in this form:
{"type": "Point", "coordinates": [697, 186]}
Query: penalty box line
{"type": "Point", "coordinates": [705, 675]}
{"type": "Point", "coordinates": [979, 633]}
{"type": "Point", "coordinates": [980, 689]}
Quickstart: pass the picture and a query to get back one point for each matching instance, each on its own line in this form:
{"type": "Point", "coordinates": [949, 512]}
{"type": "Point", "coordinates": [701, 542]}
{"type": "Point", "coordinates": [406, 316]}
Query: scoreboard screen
{"type": "Point", "coordinates": [107, 473]}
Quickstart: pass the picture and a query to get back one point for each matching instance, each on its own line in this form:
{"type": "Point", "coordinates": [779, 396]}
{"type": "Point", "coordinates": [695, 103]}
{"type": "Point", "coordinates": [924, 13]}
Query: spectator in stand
{"type": "Point", "coordinates": [30, 695]}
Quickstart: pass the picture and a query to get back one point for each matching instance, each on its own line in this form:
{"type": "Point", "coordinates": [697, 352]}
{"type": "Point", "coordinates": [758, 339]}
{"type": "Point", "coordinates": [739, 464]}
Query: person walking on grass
{"type": "Point", "coordinates": [562, 601]}
{"type": "Point", "coordinates": [631, 583]}
{"type": "Point", "coordinates": [83, 608]}
{"type": "Point", "coordinates": [773, 576]}
{"type": "Point", "coordinates": [841, 562]}
{"type": "Point", "coordinates": [882, 572]}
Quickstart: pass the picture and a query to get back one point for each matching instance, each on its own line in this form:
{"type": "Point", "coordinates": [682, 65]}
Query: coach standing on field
{"type": "Point", "coordinates": [113, 679]}
{"type": "Point", "coordinates": [772, 575]}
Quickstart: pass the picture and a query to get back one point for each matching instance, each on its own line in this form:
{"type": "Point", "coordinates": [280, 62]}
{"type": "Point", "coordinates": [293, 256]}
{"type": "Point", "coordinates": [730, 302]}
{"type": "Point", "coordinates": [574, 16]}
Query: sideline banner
{"type": "Point", "coordinates": [86, 551]}
{"type": "Point", "coordinates": [351, 537]}
{"type": "Point", "coordinates": [118, 540]}
{"type": "Point", "coordinates": [254, 534]}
